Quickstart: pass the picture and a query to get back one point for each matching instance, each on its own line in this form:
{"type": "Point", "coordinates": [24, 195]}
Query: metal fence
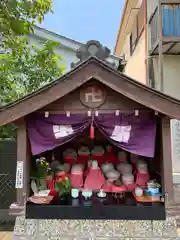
{"type": "Point", "coordinates": [7, 183]}
{"type": "Point", "coordinates": [7, 190]}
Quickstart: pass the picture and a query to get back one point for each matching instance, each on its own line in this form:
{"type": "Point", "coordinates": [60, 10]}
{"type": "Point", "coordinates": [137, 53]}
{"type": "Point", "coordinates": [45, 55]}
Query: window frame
{"type": "Point", "coordinates": [139, 29]}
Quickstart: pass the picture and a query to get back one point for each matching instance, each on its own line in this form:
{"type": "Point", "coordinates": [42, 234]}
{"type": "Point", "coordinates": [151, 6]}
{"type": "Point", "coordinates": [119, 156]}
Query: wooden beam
{"type": "Point", "coordinates": [169, 48]}
{"type": "Point", "coordinates": [170, 2]}
{"type": "Point", "coordinates": [167, 158]}
{"type": "Point", "coordinates": [154, 47]}
{"type": "Point", "coordinates": [153, 14]}
{"type": "Point", "coordinates": [23, 156]}
{"type": "Point", "coordinates": [173, 39]}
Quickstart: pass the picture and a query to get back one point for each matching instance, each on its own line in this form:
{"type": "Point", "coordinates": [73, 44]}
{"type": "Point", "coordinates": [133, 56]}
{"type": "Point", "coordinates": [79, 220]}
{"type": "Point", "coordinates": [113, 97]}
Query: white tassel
{"type": "Point", "coordinates": [136, 112]}
{"type": "Point", "coordinates": [46, 114]}
{"type": "Point", "coordinates": [89, 113]}
{"type": "Point", "coordinates": [68, 114]}
{"type": "Point", "coordinates": [117, 113]}
{"type": "Point", "coordinates": [96, 113]}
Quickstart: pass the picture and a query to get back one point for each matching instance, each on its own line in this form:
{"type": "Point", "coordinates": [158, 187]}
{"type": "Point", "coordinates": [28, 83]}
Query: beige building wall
{"type": "Point", "coordinates": [136, 67]}
{"type": "Point", "coordinates": [171, 76]}
{"type": "Point", "coordinates": [171, 87]}
{"type": "Point", "coordinates": [171, 80]}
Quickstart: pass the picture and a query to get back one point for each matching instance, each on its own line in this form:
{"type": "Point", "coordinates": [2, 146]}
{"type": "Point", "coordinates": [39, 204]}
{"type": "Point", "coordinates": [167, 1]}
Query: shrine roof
{"type": "Point", "coordinates": [92, 68]}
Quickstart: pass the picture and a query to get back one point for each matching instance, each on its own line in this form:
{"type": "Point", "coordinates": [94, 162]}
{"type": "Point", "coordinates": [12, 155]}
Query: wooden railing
{"type": "Point", "coordinates": [154, 28]}
{"type": "Point", "coordinates": [170, 22]}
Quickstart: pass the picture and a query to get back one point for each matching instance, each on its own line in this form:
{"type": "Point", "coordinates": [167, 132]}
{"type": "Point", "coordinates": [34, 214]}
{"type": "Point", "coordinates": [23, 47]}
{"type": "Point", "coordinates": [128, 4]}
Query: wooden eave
{"type": "Point", "coordinates": [84, 72]}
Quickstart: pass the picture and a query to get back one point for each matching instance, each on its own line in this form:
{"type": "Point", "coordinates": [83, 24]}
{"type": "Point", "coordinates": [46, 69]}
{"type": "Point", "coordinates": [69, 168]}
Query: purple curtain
{"type": "Point", "coordinates": [48, 133]}
{"type": "Point", "coordinates": [135, 134]}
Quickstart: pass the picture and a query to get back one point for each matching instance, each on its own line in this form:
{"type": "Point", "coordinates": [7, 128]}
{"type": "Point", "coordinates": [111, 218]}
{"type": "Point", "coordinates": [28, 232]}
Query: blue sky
{"type": "Point", "coordinates": [86, 20]}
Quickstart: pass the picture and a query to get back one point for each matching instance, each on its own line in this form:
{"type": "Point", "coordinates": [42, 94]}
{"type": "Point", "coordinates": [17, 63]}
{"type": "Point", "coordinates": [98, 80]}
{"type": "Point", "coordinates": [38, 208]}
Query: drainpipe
{"type": "Point", "coordinates": [146, 41]}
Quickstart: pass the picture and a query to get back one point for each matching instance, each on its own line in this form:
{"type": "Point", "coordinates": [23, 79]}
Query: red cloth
{"type": "Point", "coordinates": [86, 172]}
{"type": "Point", "coordinates": [83, 159]}
{"type": "Point", "coordinates": [76, 180]}
{"type": "Point", "coordinates": [94, 180]}
{"type": "Point", "coordinates": [53, 193]}
{"type": "Point", "coordinates": [70, 160]}
{"type": "Point", "coordinates": [107, 187]}
{"type": "Point", "coordinates": [51, 186]}
{"type": "Point", "coordinates": [111, 158]}
{"type": "Point", "coordinates": [99, 158]}
{"type": "Point", "coordinates": [121, 188]}
{"type": "Point", "coordinates": [131, 187]}
{"type": "Point", "coordinates": [142, 179]}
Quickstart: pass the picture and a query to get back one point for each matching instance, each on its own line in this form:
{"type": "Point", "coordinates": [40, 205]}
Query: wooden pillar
{"type": "Point", "coordinates": [23, 154]}
{"type": "Point", "coordinates": [167, 158]}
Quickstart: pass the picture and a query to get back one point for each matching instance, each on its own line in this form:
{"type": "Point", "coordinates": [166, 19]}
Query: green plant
{"type": "Point", "coordinates": [62, 185]}
{"type": "Point", "coordinates": [39, 173]}
{"type": "Point", "coordinates": [24, 67]}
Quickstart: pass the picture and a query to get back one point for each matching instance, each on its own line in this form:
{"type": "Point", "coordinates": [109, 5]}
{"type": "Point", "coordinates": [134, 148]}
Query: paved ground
{"type": "Point", "coordinates": [6, 235]}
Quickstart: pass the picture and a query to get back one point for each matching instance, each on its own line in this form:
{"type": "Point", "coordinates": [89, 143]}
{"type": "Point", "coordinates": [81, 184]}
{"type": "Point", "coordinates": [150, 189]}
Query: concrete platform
{"type": "Point", "coordinates": [26, 229]}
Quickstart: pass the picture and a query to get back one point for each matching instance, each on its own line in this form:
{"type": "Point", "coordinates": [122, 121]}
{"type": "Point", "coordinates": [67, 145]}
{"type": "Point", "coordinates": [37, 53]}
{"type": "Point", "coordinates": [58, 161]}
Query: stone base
{"type": "Point", "coordinates": [95, 230]}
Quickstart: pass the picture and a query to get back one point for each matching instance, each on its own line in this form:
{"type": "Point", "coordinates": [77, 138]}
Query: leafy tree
{"type": "Point", "coordinates": [24, 67]}
{"type": "Point", "coordinates": [17, 17]}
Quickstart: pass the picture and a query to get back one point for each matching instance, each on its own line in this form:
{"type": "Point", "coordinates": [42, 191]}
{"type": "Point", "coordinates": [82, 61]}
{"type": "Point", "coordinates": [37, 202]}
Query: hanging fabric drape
{"type": "Point", "coordinates": [135, 134]}
{"type": "Point", "coordinates": [48, 133]}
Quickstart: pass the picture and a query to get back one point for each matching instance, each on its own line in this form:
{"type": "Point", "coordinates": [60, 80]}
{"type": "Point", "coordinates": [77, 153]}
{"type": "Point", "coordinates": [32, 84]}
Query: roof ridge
{"type": "Point", "coordinates": [57, 34]}
{"type": "Point", "coordinates": [79, 66]}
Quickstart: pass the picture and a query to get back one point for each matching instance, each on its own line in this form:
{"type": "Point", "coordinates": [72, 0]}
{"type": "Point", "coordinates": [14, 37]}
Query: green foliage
{"type": "Point", "coordinates": [17, 17]}
{"type": "Point", "coordinates": [8, 131]}
{"type": "Point", "coordinates": [63, 188]}
{"type": "Point", "coordinates": [24, 67]}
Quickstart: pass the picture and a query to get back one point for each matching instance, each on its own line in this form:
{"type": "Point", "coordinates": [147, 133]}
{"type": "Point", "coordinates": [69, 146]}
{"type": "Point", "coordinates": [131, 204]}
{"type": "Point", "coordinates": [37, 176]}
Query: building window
{"type": "Point", "coordinates": [137, 29]}
{"type": "Point", "coordinates": [134, 36]}
{"type": "Point", "coordinates": [171, 19]}
{"type": "Point", "coordinates": [140, 19]}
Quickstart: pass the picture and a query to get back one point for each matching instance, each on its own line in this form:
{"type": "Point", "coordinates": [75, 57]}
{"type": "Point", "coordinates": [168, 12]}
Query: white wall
{"type": "Point", "coordinates": [68, 55]}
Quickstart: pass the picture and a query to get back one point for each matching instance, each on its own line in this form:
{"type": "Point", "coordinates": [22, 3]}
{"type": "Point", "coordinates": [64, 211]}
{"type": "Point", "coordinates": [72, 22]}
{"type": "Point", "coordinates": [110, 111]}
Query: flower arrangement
{"type": "Point", "coordinates": [40, 171]}
{"type": "Point", "coordinates": [62, 183]}
{"type": "Point", "coordinates": [54, 179]}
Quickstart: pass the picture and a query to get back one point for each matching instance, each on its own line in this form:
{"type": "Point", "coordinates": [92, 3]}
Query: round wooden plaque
{"type": "Point", "coordinates": [93, 96]}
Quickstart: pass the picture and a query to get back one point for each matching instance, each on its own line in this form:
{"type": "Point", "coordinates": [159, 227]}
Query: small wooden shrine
{"type": "Point", "coordinates": [95, 104]}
